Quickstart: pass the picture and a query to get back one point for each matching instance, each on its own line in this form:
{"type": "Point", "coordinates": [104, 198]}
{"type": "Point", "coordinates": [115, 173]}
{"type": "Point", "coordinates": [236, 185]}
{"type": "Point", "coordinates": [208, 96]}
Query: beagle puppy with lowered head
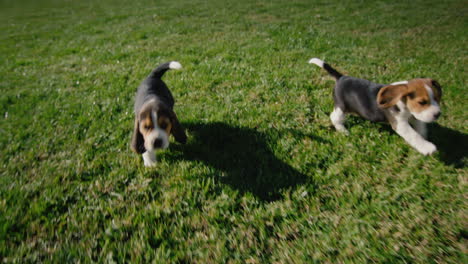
{"type": "Point", "coordinates": [155, 119]}
{"type": "Point", "coordinates": [406, 105]}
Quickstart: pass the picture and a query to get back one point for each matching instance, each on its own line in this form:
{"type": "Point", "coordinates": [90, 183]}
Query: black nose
{"type": "Point", "coordinates": [437, 115]}
{"type": "Point", "coordinates": [158, 143]}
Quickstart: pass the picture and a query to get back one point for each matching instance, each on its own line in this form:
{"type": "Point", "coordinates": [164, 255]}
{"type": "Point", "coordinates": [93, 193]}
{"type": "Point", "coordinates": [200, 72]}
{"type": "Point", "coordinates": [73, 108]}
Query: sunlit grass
{"type": "Point", "coordinates": [263, 177]}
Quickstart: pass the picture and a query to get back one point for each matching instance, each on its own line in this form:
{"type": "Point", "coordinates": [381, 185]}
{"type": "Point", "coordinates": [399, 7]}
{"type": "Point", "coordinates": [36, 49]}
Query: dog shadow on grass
{"type": "Point", "coordinates": [244, 157]}
{"type": "Point", "coordinates": [452, 145]}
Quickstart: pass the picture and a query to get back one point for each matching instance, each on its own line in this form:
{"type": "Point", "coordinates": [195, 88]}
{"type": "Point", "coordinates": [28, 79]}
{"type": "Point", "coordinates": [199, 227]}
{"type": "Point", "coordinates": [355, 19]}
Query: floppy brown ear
{"type": "Point", "coordinates": [176, 129]}
{"type": "Point", "coordinates": [388, 96]}
{"type": "Point", "coordinates": [138, 143]}
{"type": "Point", "coordinates": [437, 89]}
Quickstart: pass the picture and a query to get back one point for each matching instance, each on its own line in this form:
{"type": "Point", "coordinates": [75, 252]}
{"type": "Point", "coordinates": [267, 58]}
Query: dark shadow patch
{"type": "Point", "coordinates": [353, 120]}
{"type": "Point", "coordinates": [452, 145]}
{"type": "Point", "coordinates": [298, 135]}
{"type": "Point", "coordinates": [243, 155]}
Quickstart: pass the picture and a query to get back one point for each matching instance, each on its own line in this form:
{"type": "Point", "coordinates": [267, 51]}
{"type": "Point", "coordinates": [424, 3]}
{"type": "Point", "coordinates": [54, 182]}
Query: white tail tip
{"type": "Point", "coordinates": [317, 62]}
{"type": "Point", "coordinates": [175, 65]}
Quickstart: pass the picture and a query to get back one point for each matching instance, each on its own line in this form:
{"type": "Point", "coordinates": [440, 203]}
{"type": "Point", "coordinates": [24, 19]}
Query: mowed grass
{"type": "Point", "coordinates": [264, 178]}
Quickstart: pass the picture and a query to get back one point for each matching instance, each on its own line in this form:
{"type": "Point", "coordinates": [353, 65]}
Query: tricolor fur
{"type": "Point", "coordinates": [155, 119]}
{"type": "Point", "coordinates": [415, 101]}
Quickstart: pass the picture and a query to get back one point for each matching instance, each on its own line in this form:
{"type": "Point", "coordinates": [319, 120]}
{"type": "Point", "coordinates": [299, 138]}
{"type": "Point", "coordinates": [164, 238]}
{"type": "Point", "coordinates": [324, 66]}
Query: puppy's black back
{"type": "Point", "coordinates": [153, 88]}
{"type": "Point", "coordinates": [358, 96]}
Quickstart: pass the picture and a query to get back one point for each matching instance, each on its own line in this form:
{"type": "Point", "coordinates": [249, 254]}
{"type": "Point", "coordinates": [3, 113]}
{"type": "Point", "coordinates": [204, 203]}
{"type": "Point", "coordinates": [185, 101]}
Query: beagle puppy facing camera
{"type": "Point", "coordinates": [406, 105]}
{"type": "Point", "coordinates": [155, 119]}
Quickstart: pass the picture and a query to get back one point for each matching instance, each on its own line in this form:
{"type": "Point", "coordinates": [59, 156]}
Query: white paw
{"type": "Point", "coordinates": [427, 148]}
{"type": "Point", "coordinates": [149, 159]}
{"type": "Point", "coordinates": [342, 130]}
{"type": "Point", "coordinates": [149, 163]}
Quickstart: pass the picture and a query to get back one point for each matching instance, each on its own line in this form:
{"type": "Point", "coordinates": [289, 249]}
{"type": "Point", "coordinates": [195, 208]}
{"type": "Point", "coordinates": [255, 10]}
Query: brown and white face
{"type": "Point", "coordinates": [421, 97]}
{"type": "Point", "coordinates": [153, 126]}
{"type": "Point", "coordinates": [155, 129]}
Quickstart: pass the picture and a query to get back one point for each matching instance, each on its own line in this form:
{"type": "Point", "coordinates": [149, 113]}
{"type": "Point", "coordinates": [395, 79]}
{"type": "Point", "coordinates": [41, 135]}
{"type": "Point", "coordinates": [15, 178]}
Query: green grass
{"type": "Point", "coordinates": [263, 178]}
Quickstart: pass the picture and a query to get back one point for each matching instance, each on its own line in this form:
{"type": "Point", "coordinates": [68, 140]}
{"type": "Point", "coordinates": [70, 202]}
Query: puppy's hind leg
{"type": "Point", "coordinates": [338, 117]}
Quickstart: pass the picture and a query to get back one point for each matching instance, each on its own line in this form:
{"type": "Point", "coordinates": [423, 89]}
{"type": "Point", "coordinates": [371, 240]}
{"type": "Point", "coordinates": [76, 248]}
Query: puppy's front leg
{"type": "Point", "coordinates": [404, 129]}
{"type": "Point", "coordinates": [419, 126]}
{"type": "Point", "coordinates": [149, 158]}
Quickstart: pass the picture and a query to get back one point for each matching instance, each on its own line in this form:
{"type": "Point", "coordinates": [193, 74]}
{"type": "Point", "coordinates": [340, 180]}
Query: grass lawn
{"type": "Point", "coordinates": [263, 178]}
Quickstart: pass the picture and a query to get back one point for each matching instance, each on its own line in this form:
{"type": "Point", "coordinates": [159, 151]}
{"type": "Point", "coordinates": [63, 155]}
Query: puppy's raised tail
{"type": "Point", "coordinates": [161, 69]}
{"type": "Point", "coordinates": [327, 67]}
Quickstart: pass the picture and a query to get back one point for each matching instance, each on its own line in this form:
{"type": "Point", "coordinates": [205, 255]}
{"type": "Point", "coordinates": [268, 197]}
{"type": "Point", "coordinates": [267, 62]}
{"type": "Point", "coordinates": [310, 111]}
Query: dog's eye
{"type": "Point", "coordinates": [423, 102]}
{"type": "Point", "coordinates": [163, 125]}
{"type": "Point", "coordinates": [147, 127]}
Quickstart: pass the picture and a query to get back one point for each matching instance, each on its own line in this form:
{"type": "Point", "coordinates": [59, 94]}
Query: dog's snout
{"type": "Point", "coordinates": [437, 115]}
{"type": "Point", "coordinates": [158, 143]}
